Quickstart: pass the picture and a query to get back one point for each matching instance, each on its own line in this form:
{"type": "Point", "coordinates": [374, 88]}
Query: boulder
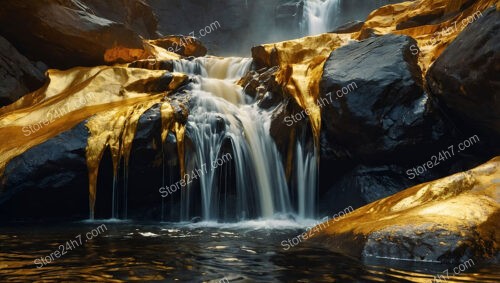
{"type": "Point", "coordinates": [373, 103]}
{"type": "Point", "coordinates": [450, 220]}
{"type": "Point", "coordinates": [17, 74]}
{"type": "Point", "coordinates": [465, 78]}
{"type": "Point", "coordinates": [64, 34]}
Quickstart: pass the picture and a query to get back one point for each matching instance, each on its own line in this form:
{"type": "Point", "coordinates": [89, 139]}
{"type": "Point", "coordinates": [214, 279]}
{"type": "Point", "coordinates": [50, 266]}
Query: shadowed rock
{"type": "Point", "coordinates": [17, 75]}
{"type": "Point", "coordinates": [465, 77]}
{"type": "Point", "coordinates": [374, 103]}
{"type": "Point", "coordinates": [64, 34]}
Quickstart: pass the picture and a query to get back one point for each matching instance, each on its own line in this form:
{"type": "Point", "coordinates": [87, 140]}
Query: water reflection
{"type": "Point", "coordinates": [250, 252]}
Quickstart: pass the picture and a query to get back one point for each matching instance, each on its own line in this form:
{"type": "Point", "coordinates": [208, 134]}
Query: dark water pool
{"type": "Point", "coordinates": [201, 252]}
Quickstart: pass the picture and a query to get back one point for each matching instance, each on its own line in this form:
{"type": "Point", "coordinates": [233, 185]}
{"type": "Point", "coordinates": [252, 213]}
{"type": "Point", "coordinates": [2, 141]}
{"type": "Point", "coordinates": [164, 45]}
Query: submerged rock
{"type": "Point", "coordinates": [448, 220]}
{"type": "Point", "coordinates": [466, 77]}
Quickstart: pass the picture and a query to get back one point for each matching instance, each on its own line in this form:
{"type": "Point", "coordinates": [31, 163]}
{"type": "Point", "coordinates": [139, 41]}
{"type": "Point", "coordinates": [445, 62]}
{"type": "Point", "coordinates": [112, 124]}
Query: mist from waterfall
{"type": "Point", "coordinates": [319, 15]}
{"type": "Point", "coordinates": [224, 119]}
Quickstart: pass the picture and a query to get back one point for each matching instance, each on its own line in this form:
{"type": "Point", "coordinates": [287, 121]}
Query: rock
{"type": "Point", "coordinates": [349, 27]}
{"type": "Point", "coordinates": [51, 180]}
{"type": "Point", "coordinates": [17, 74]}
{"type": "Point", "coordinates": [434, 24]}
{"type": "Point", "coordinates": [448, 220]}
{"type": "Point", "coordinates": [58, 133]}
{"type": "Point", "coordinates": [374, 104]}
{"type": "Point", "coordinates": [183, 45]}
{"type": "Point", "coordinates": [362, 185]}
{"type": "Point", "coordinates": [289, 15]}
{"type": "Point", "coordinates": [241, 23]}
{"type": "Point", "coordinates": [64, 34]}
{"type": "Point", "coordinates": [465, 78]}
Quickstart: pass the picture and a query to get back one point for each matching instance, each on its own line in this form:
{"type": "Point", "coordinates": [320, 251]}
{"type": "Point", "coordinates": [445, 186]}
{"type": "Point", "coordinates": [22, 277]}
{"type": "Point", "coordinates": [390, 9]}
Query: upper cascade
{"type": "Point", "coordinates": [318, 15]}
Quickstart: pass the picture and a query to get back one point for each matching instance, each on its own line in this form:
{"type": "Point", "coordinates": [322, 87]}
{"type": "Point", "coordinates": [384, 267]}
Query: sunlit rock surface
{"type": "Point", "coordinates": [110, 99]}
{"type": "Point", "coordinates": [466, 76]}
{"type": "Point", "coordinates": [183, 45]}
{"type": "Point", "coordinates": [18, 75]}
{"type": "Point", "coordinates": [433, 23]}
{"type": "Point", "coordinates": [301, 65]}
{"type": "Point", "coordinates": [65, 34]}
{"type": "Point", "coordinates": [447, 220]}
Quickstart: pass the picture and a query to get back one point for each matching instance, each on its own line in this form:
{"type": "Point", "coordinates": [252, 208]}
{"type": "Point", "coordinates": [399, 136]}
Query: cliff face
{"type": "Point", "coordinates": [245, 23]}
{"type": "Point", "coordinates": [65, 34]}
{"type": "Point", "coordinates": [18, 75]}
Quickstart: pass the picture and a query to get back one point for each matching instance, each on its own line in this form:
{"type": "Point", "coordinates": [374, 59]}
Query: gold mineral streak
{"type": "Point", "coordinates": [301, 66]}
{"type": "Point", "coordinates": [432, 39]}
{"type": "Point", "coordinates": [111, 98]}
{"type": "Point", "coordinates": [301, 60]}
{"type": "Point", "coordinates": [454, 203]}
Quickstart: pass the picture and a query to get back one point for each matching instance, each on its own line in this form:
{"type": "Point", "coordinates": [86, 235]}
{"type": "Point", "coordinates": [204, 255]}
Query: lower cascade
{"type": "Point", "coordinates": [229, 130]}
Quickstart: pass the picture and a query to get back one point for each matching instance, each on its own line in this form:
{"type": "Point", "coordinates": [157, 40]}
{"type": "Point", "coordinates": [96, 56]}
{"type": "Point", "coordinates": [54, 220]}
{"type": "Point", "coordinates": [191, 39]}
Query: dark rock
{"type": "Point", "coordinates": [289, 14]}
{"type": "Point", "coordinates": [17, 75]}
{"type": "Point", "coordinates": [465, 77]}
{"type": "Point", "coordinates": [363, 185]}
{"type": "Point", "coordinates": [48, 180]}
{"type": "Point", "coordinates": [376, 105]}
{"type": "Point", "coordinates": [152, 64]}
{"type": "Point", "coordinates": [64, 34]}
{"type": "Point", "coordinates": [352, 26]}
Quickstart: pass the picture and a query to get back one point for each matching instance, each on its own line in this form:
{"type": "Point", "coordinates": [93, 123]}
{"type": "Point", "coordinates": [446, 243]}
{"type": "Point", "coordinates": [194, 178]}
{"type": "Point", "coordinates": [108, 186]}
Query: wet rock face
{"type": "Point", "coordinates": [362, 185]}
{"type": "Point", "coordinates": [448, 220]}
{"type": "Point", "coordinates": [373, 100]}
{"type": "Point", "coordinates": [17, 75]}
{"type": "Point", "coordinates": [49, 178]}
{"type": "Point", "coordinates": [465, 77]}
{"type": "Point", "coordinates": [50, 181]}
{"type": "Point", "coordinates": [64, 34]}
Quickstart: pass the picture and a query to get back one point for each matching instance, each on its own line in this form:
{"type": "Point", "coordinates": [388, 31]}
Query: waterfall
{"type": "Point", "coordinates": [223, 119]}
{"type": "Point", "coordinates": [306, 164]}
{"type": "Point", "coordinates": [319, 16]}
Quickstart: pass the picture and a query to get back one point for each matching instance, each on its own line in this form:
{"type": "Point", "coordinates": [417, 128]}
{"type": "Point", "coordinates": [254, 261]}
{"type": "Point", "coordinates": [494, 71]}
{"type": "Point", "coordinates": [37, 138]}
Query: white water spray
{"type": "Point", "coordinates": [319, 15]}
{"type": "Point", "coordinates": [221, 112]}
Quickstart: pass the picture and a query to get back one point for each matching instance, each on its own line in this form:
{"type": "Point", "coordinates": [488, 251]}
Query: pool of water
{"type": "Point", "coordinates": [122, 251]}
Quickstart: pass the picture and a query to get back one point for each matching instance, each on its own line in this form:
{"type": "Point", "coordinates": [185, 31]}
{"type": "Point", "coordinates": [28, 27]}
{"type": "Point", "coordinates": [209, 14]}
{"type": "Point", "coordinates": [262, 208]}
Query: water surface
{"type": "Point", "coordinates": [201, 252]}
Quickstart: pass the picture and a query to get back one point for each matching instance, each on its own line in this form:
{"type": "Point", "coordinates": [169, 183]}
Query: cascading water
{"type": "Point", "coordinates": [319, 16]}
{"type": "Point", "coordinates": [222, 114]}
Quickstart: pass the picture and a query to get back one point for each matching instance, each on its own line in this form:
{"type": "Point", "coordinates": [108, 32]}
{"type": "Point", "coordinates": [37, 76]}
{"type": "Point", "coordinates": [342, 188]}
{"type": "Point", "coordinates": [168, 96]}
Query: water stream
{"type": "Point", "coordinates": [222, 114]}
{"type": "Point", "coordinates": [319, 15]}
